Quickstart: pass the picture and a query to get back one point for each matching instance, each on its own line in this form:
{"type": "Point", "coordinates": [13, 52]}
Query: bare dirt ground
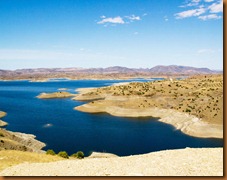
{"type": "Point", "coordinates": [184, 162]}
{"type": "Point", "coordinates": [18, 141]}
{"type": "Point", "coordinates": [9, 158]}
{"type": "Point", "coordinates": [194, 105]}
{"type": "Point", "coordinates": [199, 98]}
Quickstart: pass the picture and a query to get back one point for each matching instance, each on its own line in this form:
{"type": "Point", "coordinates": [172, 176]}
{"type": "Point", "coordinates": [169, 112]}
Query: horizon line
{"type": "Point", "coordinates": [108, 67]}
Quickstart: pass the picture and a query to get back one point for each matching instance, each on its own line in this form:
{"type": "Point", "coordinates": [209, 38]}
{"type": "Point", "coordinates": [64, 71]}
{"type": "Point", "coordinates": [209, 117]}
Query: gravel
{"type": "Point", "coordinates": [182, 162]}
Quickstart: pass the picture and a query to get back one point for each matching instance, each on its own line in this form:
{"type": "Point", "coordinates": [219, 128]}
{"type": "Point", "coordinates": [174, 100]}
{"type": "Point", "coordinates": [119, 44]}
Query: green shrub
{"type": "Point", "coordinates": [188, 110]}
{"type": "Point", "coordinates": [79, 155]}
{"type": "Point", "coordinates": [1, 135]}
{"type": "Point", "coordinates": [50, 151]}
{"type": "Point", "coordinates": [63, 154]}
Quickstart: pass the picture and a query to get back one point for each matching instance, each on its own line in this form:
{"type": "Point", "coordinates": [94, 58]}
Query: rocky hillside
{"type": "Point", "coordinates": [115, 72]}
{"type": "Point", "coordinates": [18, 141]}
{"type": "Point", "coordinates": [180, 70]}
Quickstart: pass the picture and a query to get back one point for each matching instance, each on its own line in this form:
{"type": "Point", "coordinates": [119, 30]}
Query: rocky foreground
{"type": "Point", "coordinates": [18, 141]}
{"type": "Point", "coordinates": [183, 162]}
{"type": "Point", "coordinates": [2, 123]}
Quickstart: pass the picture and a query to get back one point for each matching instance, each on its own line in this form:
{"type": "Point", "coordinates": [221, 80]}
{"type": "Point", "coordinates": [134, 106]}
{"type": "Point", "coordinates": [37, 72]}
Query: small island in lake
{"type": "Point", "coordinates": [60, 94]}
{"type": "Point", "coordinates": [2, 123]}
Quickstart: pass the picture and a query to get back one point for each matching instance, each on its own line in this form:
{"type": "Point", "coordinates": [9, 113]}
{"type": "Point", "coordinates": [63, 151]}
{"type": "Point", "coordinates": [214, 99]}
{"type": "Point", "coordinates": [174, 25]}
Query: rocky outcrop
{"type": "Point", "coordinates": [18, 141]}
{"type": "Point", "coordinates": [2, 123]}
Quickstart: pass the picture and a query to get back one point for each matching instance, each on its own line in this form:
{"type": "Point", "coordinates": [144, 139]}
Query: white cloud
{"type": "Point", "coordinates": [188, 5]}
{"type": "Point", "coordinates": [191, 3]}
{"type": "Point", "coordinates": [185, 14]}
{"type": "Point", "coordinates": [208, 1]}
{"type": "Point", "coordinates": [199, 9]}
{"type": "Point", "coordinates": [115, 20]}
{"type": "Point", "coordinates": [133, 17]}
{"type": "Point", "coordinates": [216, 7]}
{"type": "Point", "coordinates": [210, 16]}
{"type": "Point", "coordinates": [166, 18]}
{"type": "Point", "coordinates": [190, 13]}
{"type": "Point", "coordinates": [118, 20]}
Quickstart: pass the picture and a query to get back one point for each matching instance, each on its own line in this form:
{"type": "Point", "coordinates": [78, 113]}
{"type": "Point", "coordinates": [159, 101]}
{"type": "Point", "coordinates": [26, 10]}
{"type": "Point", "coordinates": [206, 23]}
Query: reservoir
{"type": "Point", "coordinates": [61, 128]}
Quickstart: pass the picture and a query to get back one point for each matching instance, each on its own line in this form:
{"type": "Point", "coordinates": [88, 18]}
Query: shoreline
{"type": "Point", "coordinates": [89, 78]}
{"type": "Point", "coordinates": [115, 101]}
{"type": "Point", "coordinates": [3, 123]}
{"type": "Point", "coordinates": [60, 94]}
{"type": "Point", "coordinates": [188, 124]}
{"type": "Point", "coordinates": [17, 140]}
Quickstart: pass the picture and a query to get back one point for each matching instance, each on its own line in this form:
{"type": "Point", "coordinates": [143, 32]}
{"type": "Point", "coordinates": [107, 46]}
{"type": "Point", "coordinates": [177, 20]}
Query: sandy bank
{"type": "Point", "coordinates": [2, 114]}
{"type": "Point", "coordinates": [188, 124]}
{"type": "Point", "coordinates": [55, 95]}
{"type": "Point", "coordinates": [193, 105]}
{"type": "Point", "coordinates": [183, 162]}
{"type": "Point", "coordinates": [2, 123]}
{"type": "Point", "coordinates": [29, 141]}
{"type": "Point", "coordinates": [102, 155]}
{"type": "Point", "coordinates": [18, 141]}
{"type": "Point", "coordinates": [84, 90]}
{"type": "Point", "coordinates": [39, 80]}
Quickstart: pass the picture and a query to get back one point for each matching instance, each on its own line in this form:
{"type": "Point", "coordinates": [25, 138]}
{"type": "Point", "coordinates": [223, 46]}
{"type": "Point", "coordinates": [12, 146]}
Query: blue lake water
{"type": "Point", "coordinates": [72, 130]}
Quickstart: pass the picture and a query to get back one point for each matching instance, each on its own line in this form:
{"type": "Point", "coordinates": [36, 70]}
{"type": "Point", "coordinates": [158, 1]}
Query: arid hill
{"type": "Point", "coordinates": [18, 141]}
{"type": "Point", "coordinates": [199, 97]}
{"type": "Point", "coordinates": [115, 72]}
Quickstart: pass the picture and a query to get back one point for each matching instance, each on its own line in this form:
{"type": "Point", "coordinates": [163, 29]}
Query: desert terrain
{"type": "Point", "coordinates": [2, 123]}
{"type": "Point", "coordinates": [115, 72]}
{"type": "Point", "coordinates": [18, 141]}
{"type": "Point", "coordinates": [181, 162]}
{"type": "Point", "coordinates": [194, 105]}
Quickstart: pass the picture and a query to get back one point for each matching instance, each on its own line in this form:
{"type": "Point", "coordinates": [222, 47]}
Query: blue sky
{"type": "Point", "coordinates": [103, 33]}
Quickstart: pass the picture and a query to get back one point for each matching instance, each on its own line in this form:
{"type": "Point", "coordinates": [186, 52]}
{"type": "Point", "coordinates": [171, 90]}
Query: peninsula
{"type": "Point", "coordinates": [182, 103]}
{"type": "Point", "coordinates": [18, 141]}
{"type": "Point", "coordinates": [2, 123]}
{"type": "Point", "coordinates": [193, 105]}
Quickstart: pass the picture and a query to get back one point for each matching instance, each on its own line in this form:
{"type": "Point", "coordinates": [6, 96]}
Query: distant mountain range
{"type": "Point", "coordinates": [115, 71]}
{"type": "Point", "coordinates": [182, 69]}
{"type": "Point", "coordinates": [172, 69]}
